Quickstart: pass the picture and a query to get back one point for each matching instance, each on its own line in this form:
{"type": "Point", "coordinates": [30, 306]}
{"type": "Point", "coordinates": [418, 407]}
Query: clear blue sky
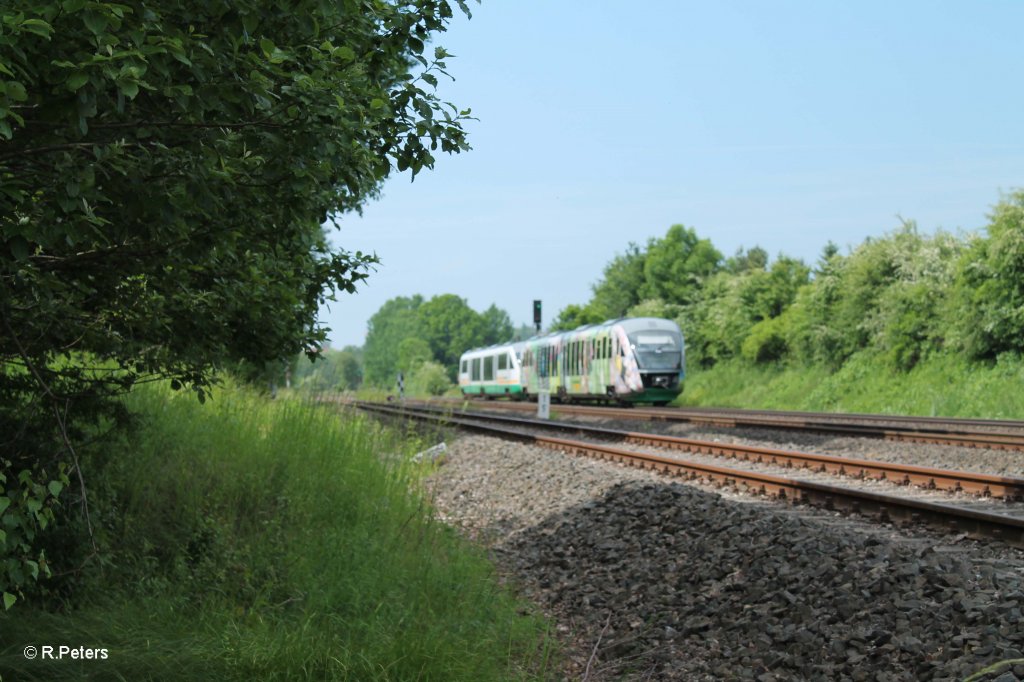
{"type": "Point", "coordinates": [782, 124]}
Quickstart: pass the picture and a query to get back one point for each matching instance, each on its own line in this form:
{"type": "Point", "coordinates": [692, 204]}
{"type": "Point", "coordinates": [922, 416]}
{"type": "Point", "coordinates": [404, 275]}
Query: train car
{"type": "Point", "coordinates": [492, 372]}
{"type": "Point", "coordinates": [631, 360]}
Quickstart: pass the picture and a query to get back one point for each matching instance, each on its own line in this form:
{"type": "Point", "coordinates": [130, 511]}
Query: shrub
{"type": "Point", "coordinates": [766, 341]}
{"type": "Point", "coordinates": [429, 378]}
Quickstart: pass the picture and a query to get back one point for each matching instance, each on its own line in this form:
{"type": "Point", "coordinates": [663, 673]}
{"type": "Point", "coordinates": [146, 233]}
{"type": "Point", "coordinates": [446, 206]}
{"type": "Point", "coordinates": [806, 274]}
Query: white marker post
{"type": "Point", "coordinates": [544, 405]}
{"type": "Point", "coordinates": [401, 387]}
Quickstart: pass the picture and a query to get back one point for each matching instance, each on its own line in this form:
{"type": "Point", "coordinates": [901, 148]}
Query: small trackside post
{"type": "Point", "coordinates": [544, 405]}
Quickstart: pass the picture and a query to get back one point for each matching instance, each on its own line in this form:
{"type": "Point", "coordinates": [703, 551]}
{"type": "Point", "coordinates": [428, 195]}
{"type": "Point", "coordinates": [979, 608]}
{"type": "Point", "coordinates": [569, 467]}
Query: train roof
{"type": "Point", "coordinates": [494, 346]}
{"type": "Point", "coordinates": [630, 324]}
{"type": "Point", "coordinates": [635, 324]}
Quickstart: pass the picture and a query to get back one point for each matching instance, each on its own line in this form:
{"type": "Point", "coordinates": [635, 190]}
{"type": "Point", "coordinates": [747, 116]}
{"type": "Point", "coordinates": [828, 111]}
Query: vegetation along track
{"type": "Point", "coordinates": [887, 507]}
{"type": "Point", "coordinates": [978, 433]}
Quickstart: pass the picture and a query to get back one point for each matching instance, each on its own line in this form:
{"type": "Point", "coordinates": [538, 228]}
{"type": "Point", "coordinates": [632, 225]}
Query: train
{"type": "Point", "coordinates": [623, 361]}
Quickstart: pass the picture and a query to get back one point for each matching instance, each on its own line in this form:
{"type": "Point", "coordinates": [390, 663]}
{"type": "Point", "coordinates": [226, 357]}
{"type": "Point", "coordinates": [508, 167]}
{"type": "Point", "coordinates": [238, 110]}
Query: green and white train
{"type": "Point", "coordinates": [633, 360]}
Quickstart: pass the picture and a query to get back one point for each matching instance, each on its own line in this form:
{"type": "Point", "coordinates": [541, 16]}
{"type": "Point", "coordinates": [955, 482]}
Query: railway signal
{"type": "Point", "coordinates": [536, 314]}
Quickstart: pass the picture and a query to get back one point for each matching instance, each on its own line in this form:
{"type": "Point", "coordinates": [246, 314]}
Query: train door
{"type": "Point", "coordinates": [502, 373]}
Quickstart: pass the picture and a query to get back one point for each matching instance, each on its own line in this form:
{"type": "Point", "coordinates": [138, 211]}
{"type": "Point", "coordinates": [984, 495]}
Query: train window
{"type": "Point", "coordinates": [503, 361]}
{"type": "Point", "coordinates": [476, 370]}
{"type": "Point", "coordinates": [489, 368]}
{"type": "Point", "coordinates": [465, 367]}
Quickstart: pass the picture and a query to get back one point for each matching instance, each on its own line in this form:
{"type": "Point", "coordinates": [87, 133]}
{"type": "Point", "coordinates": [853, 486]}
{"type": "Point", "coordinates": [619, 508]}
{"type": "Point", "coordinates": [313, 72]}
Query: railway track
{"type": "Point", "coordinates": [973, 522]}
{"type": "Point", "coordinates": [966, 433]}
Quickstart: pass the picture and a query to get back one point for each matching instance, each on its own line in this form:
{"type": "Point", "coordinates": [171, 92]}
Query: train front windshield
{"type": "Point", "coordinates": [657, 349]}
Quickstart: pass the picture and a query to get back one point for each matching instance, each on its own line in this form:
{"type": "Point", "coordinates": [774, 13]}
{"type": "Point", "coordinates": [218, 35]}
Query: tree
{"type": "Point", "coordinates": [398, 319]}
{"type": "Point", "coordinates": [989, 301]}
{"type": "Point", "coordinates": [451, 328]}
{"type": "Point", "coordinates": [677, 265]}
{"type": "Point", "coordinates": [413, 352]}
{"type": "Point", "coordinates": [406, 332]}
{"type": "Point", "coordinates": [333, 370]}
{"type": "Point", "coordinates": [350, 371]}
{"type": "Point", "coordinates": [165, 170]}
{"type": "Point", "coordinates": [497, 325]}
{"type": "Point", "coordinates": [572, 316]}
{"type": "Point", "coordinates": [619, 289]}
{"type": "Point", "coordinates": [751, 259]}
{"type": "Point", "coordinates": [163, 186]}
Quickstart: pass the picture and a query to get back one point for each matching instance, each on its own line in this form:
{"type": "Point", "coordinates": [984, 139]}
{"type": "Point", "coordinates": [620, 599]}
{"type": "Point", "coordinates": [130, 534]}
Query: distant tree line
{"type": "Point", "coordinates": [424, 339]}
{"type": "Point", "coordinates": [905, 295]}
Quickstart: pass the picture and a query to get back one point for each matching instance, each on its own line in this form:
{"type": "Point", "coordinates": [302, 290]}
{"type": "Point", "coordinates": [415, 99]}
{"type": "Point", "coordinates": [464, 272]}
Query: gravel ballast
{"type": "Point", "coordinates": [654, 579]}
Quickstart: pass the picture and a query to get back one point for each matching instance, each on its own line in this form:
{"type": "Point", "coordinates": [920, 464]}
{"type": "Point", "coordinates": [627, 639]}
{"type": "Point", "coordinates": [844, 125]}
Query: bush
{"type": "Point", "coordinates": [989, 297]}
{"type": "Point", "coordinates": [429, 378]}
{"type": "Point", "coordinates": [766, 341]}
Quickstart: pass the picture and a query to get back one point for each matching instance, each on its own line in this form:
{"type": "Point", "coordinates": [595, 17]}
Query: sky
{"type": "Point", "coordinates": [784, 125]}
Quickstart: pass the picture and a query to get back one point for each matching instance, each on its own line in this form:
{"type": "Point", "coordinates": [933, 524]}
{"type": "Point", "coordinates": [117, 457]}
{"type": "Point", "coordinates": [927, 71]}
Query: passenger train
{"type": "Point", "coordinates": [630, 360]}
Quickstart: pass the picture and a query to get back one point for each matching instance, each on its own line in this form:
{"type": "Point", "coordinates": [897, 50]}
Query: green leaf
{"type": "Point", "coordinates": [128, 88]}
{"type": "Point", "coordinates": [37, 26]}
{"type": "Point", "coordinates": [5, 502]}
{"type": "Point", "coordinates": [20, 250]}
{"type": "Point", "coordinates": [376, 103]}
{"type": "Point", "coordinates": [95, 21]}
{"type": "Point", "coordinates": [76, 80]}
{"type": "Point", "coordinates": [16, 91]}
{"type": "Point", "coordinates": [267, 45]}
{"type": "Point", "coordinates": [55, 487]}
{"type": "Point", "coordinates": [9, 600]}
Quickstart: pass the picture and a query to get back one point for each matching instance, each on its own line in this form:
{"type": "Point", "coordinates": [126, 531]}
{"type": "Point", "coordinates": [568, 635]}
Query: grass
{"type": "Point", "coordinates": [942, 385]}
{"type": "Point", "coordinates": [249, 539]}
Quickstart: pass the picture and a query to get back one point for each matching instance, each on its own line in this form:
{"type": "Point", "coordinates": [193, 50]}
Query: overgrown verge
{"type": "Point", "coordinates": [941, 385]}
{"type": "Point", "coordinates": [249, 539]}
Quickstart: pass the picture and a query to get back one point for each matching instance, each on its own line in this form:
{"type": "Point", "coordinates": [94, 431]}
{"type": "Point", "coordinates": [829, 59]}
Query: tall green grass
{"type": "Point", "coordinates": [942, 385]}
{"type": "Point", "coordinates": [253, 540]}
